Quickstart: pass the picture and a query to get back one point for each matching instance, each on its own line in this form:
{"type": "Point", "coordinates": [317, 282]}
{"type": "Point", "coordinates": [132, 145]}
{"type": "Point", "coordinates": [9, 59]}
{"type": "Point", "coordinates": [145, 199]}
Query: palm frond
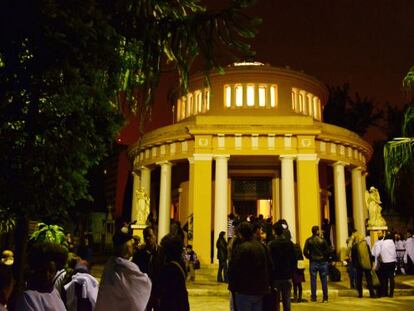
{"type": "Point", "coordinates": [408, 123]}
{"type": "Point", "coordinates": [408, 82]}
{"type": "Point", "coordinates": [398, 156]}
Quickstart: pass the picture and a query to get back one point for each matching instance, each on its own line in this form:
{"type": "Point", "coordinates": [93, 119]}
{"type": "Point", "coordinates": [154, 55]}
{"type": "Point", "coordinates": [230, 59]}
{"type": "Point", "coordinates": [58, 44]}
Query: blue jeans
{"type": "Point", "coordinates": [283, 287]}
{"type": "Point", "coordinates": [322, 268]}
{"type": "Point", "coordinates": [249, 302]}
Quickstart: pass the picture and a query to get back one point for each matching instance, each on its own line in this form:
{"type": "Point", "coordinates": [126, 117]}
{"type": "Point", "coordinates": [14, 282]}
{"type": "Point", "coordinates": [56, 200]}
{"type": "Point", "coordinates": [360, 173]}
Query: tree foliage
{"type": "Point", "coordinates": [62, 65]}
{"type": "Point", "coordinates": [48, 234]}
{"type": "Point", "coordinates": [353, 113]}
{"type": "Point", "coordinates": [399, 155]}
{"type": "Point", "coordinates": [408, 81]}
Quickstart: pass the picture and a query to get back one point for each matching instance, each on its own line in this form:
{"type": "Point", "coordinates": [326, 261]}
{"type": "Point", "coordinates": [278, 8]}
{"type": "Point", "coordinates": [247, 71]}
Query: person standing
{"type": "Point", "coordinates": [361, 261]}
{"type": "Point", "coordinates": [317, 251]}
{"type": "Point", "coordinates": [123, 285]}
{"type": "Point", "coordinates": [6, 285]}
{"type": "Point", "coordinates": [248, 271]}
{"type": "Point", "coordinates": [148, 261]}
{"type": "Point", "coordinates": [40, 294]}
{"type": "Point", "coordinates": [284, 261]}
{"type": "Point", "coordinates": [221, 245]}
{"type": "Point", "coordinates": [298, 275]}
{"type": "Point", "coordinates": [409, 253]}
{"type": "Point", "coordinates": [350, 268]}
{"type": "Point", "coordinates": [388, 260]}
{"type": "Point", "coordinates": [172, 288]}
{"type": "Point", "coordinates": [230, 226]}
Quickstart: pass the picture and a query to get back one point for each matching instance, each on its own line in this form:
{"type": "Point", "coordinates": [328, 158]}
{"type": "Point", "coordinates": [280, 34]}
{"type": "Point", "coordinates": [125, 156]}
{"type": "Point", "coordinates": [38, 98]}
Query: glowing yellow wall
{"type": "Point", "coordinates": [201, 201]}
{"type": "Point", "coordinates": [308, 213]}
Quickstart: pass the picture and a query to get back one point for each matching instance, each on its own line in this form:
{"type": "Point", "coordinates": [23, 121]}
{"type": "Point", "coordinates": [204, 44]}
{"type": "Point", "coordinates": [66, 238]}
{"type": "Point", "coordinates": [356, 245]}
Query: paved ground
{"type": "Point", "coordinates": [400, 303]}
{"type": "Point", "coordinates": [206, 294]}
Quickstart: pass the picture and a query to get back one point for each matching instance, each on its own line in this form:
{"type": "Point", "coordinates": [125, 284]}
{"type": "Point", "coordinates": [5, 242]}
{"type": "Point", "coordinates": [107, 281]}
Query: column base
{"type": "Point", "coordinates": [137, 230]}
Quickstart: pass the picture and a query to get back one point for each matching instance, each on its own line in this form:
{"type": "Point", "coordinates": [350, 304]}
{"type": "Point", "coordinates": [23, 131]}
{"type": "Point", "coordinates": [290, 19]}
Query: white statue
{"type": "Point", "coordinates": [143, 206]}
{"type": "Point", "coordinates": [373, 201]}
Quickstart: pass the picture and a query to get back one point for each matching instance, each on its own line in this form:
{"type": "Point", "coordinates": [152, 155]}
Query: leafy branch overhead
{"type": "Point", "coordinates": [63, 65]}
{"type": "Point", "coordinates": [165, 35]}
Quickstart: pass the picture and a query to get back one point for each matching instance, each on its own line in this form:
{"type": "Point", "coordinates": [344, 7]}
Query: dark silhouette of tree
{"type": "Point", "coordinates": [63, 65]}
{"type": "Point", "coordinates": [356, 113]}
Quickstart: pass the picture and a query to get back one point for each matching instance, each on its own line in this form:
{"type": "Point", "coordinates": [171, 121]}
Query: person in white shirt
{"type": "Point", "coordinates": [409, 253]}
{"type": "Point", "coordinates": [400, 248]}
{"type": "Point", "coordinates": [388, 260]}
{"type": "Point", "coordinates": [82, 289]}
{"type": "Point", "coordinates": [375, 250]}
{"type": "Point", "coordinates": [123, 285]}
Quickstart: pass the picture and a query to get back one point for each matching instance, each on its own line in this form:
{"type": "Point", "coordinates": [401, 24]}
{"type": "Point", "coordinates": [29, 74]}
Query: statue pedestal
{"type": "Point", "coordinates": [374, 232]}
{"type": "Point", "coordinates": [137, 230]}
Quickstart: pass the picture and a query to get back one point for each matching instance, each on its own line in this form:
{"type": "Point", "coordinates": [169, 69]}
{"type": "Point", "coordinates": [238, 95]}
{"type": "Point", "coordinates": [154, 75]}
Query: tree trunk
{"type": "Point", "coordinates": [20, 255]}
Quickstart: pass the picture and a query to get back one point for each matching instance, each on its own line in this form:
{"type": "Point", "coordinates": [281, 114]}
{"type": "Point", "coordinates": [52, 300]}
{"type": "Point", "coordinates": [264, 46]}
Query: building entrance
{"type": "Point", "coordinates": [245, 208]}
{"type": "Point", "coordinates": [249, 195]}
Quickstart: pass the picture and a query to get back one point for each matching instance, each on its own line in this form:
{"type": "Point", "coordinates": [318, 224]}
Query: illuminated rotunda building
{"type": "Point", "coordinates": [254, 142]}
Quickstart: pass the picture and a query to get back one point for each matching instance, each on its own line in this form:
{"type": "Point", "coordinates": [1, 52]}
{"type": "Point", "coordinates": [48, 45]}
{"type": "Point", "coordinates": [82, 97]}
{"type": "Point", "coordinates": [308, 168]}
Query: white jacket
{"type": "Point", "coordinates": [123, 287]}
{"type": "Point", "coordinates": [89, 290]}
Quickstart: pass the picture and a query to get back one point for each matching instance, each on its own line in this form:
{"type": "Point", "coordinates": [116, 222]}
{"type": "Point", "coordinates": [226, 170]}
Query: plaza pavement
{"type": "Point", "coordinates": [205, 294]}
{"type": "Point", "coordinates": [399, 303]}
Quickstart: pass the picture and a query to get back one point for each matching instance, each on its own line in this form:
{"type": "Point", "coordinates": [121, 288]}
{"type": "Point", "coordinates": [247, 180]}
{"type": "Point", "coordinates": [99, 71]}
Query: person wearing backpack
{"type": "Point", "coordinates": [362, 262]}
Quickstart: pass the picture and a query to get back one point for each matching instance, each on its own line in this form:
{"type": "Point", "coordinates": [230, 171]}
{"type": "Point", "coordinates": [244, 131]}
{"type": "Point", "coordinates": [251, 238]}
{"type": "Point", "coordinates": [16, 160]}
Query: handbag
{"type": "Point", "coordinates": [300, 265]}
{"type": "Point", "coordinates": [196, 264]}
{"type": "Point", "coordinates": [375, 279]}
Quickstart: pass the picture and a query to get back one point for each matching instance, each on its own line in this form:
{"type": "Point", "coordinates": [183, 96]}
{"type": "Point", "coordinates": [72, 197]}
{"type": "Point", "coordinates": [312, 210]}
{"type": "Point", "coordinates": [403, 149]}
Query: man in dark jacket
{"type": "Point", "coordinates": [284, 261]}
{"type": "Point", "coordinates": [248, 271]}
{"type": "Point", "coordinates": [317, 251]}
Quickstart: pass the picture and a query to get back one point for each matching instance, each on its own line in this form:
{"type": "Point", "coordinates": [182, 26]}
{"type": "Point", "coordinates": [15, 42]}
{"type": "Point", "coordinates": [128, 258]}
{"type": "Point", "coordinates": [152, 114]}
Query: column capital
{"type": "Point", "coordinates": [357, 168]}
{"type": "Point", "coordinates": [190, 160]}
{"type": "Point", "coordinates": [221, 156]}
{"type": "Point", "coordinates": [202, 157]}
{"type": "Point", "coordinates": [161, 163]}
{"type": "Point", "coordinates": [340, 163]}
{"type": "Point", "coordinates": [308, 157]}
{"type": "Point", "coordinates": [287, 156]}
{"type": "Point", "coordinates": [142, 168]}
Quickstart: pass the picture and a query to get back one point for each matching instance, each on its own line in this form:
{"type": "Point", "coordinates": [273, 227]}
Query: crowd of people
{"type": "Point", "coordinates": [264, 264]}
{"type": "Point", "coordinates": [379, 263]}
{"type": "Point", "coordinates": [258, 260]}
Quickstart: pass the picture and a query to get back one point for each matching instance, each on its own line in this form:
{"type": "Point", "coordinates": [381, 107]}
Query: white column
{"type": "Point", "coordinates": [165, 200]}
{"type": "Point", "coordinates": [288, 194]}
{"type": "Point", "coordinates": [135, 188]}
{"type": "Point", "coordinates": [364, 187]}
{"type": "Point", "coordinates": [220, 198]}
{"type": "Point", "coordinates": [340, 207]}
{"type": "Point", "coordinates": [358, 201]}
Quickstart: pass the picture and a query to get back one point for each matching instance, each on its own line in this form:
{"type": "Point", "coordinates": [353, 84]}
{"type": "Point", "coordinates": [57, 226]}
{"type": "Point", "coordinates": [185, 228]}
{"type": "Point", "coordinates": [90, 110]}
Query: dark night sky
{"type": "Point", "coordinates": [368, 43]}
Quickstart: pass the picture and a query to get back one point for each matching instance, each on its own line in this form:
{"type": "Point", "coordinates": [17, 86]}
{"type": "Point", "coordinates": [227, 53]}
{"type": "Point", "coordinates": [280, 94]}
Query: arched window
{"type": "Point", "coordinates": [273, 95]}
{"type": "Point", "coordinates": [239, 95]}
{"type": "Point", "coordinates": [262, 96]}
{"type": "Point", "coordinates": [250, 95]}
{"type": "Point", "coordinates": [227, 95]}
